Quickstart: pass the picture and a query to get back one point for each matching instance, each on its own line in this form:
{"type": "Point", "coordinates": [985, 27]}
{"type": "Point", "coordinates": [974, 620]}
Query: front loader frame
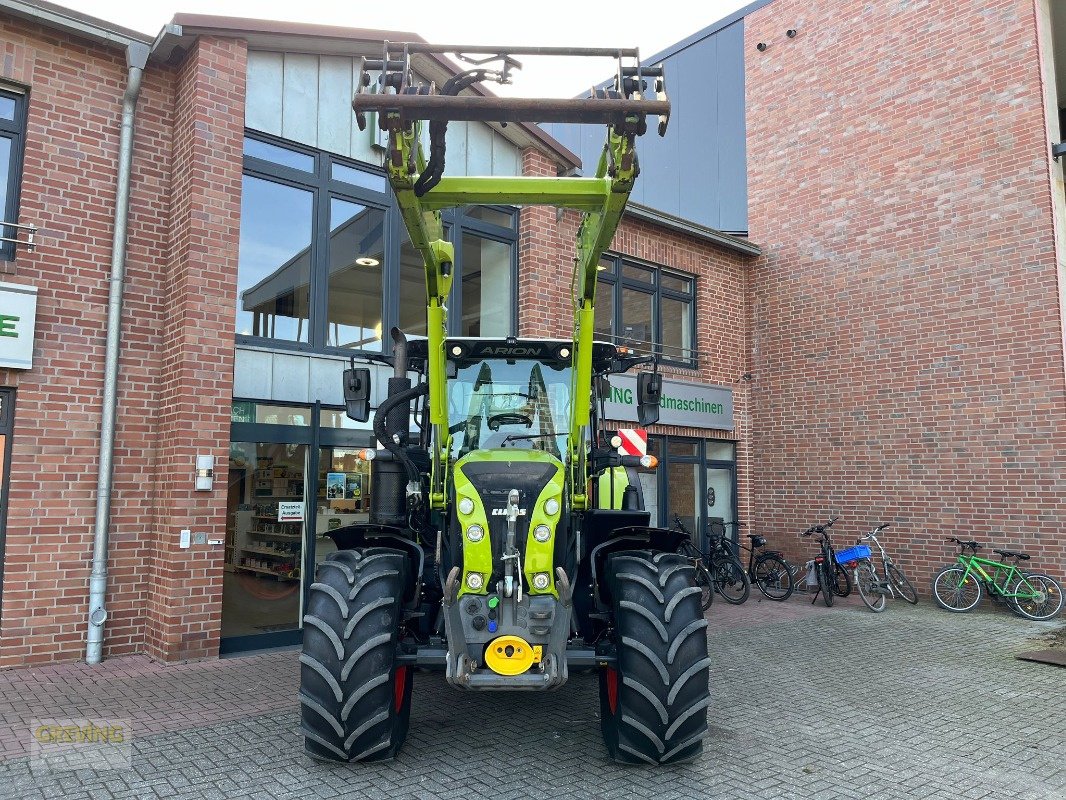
{"type": "Point", "coordinates": [422, 192]}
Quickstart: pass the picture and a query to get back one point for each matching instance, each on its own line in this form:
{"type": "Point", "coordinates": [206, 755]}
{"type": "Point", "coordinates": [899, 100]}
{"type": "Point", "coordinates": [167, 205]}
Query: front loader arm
{"type": "Point", "coordinates": [422, 191]}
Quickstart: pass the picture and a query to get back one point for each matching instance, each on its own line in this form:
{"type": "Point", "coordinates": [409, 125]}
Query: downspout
{"type": "Point", "coordinates": [136, 59]}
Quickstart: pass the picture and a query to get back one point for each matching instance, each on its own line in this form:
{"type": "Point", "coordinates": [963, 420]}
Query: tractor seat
{"type": "Point", "coordinates": [1012, 554]}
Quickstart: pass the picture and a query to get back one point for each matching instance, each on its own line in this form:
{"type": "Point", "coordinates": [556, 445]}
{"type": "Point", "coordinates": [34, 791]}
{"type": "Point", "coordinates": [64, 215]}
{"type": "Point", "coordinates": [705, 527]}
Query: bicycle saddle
{"type": "Point", "coordinates": [756, 540]}
{"type": "Point", "coordinates": [1012, 554]}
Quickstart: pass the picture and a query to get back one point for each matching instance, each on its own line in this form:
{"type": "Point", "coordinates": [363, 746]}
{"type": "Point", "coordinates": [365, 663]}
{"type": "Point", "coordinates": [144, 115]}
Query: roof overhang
{"type": "Point", "coordinates": [736, 244]}
{"type": "Point", "coordinates": [75, 23]}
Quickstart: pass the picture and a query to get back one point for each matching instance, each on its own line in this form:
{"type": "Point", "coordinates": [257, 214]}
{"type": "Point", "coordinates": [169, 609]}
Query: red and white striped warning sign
{"type": "Point", "coordinates": [634, 441]}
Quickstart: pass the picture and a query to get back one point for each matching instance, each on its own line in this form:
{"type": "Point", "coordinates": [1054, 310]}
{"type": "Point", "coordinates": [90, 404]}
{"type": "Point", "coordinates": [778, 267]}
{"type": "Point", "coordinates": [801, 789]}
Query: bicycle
{"type": "Point", "coordinates": [958, 587]}
{"type": "Point", "coordinates": [703, 577]}
{"type": "Point", "coordinates": [858, 560]}
{"type": "Point", "coordinates": [894, 579]}
{"type": "Point", "coordinates": [832, 578]}
{"type": "Point", "coordinates": [771, 572]}
{"type": "Point", "coordinates": [727, 574]}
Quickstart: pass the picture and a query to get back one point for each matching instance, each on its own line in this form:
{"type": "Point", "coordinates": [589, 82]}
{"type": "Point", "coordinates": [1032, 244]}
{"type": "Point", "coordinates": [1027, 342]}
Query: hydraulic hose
{"type": "Point", "coordinates": [385, 436]}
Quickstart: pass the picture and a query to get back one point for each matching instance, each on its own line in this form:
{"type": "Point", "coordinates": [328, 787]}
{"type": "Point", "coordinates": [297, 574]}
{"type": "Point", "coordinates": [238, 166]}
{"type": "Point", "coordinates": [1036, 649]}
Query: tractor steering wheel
{"type": "Point", "coordinates": [509, 418]}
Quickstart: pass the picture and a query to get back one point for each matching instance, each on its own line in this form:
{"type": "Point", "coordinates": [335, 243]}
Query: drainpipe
{"type": "Point", "coordinates": [136, 59]}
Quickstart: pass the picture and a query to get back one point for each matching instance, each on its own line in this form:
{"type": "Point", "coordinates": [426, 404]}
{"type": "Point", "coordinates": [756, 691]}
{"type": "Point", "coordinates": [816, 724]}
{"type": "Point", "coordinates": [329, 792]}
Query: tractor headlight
{"type": "Point", "coordinates": [541, 581]}
{"type": "Point", "coordinates": [542, 533]}
{"type": "Point", "coordinates": [475, 533]}
{"type": "Point", "coordinates": [466, 506]}
{"type": "Point", "coordinates": [474, 581]}
{"type": "Point", "coordinates": [551, 507]}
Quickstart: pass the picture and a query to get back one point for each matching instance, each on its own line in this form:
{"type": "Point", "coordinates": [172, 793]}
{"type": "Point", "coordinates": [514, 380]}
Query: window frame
{"type": "Point", "coordinates": [325, 188]}
{"type": "Point", "coordinates": [614, 281]}
{"type": "Point", "coordinates": [15, 130]}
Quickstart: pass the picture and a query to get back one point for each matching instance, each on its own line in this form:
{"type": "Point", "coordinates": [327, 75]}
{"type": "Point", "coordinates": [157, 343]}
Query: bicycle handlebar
{"type": "Point", "coordinates": [965, 545]}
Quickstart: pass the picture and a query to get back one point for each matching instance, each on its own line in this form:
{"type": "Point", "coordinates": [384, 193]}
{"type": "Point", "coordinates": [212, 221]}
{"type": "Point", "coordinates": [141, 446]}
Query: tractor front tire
{"type": "Point", "coordinates": [355, 700]}
{"type": "Point", "coordinates": [653, 703]}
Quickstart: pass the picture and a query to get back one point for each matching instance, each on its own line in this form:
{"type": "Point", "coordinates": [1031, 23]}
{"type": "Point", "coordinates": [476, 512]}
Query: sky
{"type": "Point", "coordinates": [623, 23]}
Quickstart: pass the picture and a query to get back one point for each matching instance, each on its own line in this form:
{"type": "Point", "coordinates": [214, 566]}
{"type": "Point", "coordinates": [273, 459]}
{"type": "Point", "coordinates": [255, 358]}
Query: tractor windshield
{"type": "Point", "coordinates": [501, 403]}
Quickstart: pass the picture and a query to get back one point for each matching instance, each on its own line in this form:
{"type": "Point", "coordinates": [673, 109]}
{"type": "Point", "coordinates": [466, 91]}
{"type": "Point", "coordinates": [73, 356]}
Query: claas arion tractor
{"type": "Point", "coordinates": [507, 542]}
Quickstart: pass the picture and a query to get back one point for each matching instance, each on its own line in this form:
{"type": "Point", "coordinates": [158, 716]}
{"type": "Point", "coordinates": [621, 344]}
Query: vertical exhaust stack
{"type": "Point", "coordinates": [390, 476]}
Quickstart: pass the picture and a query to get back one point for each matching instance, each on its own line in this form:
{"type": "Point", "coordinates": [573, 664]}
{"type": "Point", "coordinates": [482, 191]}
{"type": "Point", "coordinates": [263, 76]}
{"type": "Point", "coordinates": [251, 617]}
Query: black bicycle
{"type": "Point", "coordinates": [727, 573]}
{"type": "Point", "coordinates": [833, 579]}
{"type": "Point", "coordinates": [768, 569]}
{"type": "Point", "coordinates": [703, 577]}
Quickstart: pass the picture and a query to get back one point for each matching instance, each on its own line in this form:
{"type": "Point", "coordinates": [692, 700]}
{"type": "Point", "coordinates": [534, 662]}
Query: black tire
{"type": "Point", "coordinates": [703, 580]}
{"type": "Point", "coordinates": [824, 586]}
{"type": "Point", "coordinates": [952, 593]}
{"type": "Point", "coordinates": [731, 581]}
{"type": "Point", "coordinates": [773, 577]}
{"type": "Point", "coordinates": [355, 699]}
{"type": "Point", "coordinates": [653, 703]}
{"type": "Point", "coordinates": [902, 585]}
{"type": "Point", "coordinates": [841, 581]}
{"type": "Point", "coordinates": [869, 587]}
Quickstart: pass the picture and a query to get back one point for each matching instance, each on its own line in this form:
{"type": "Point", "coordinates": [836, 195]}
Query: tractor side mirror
{"type": "Point", "coordinates": [357, 393]}
{"type": "Point", "coordinates": [649, 394]}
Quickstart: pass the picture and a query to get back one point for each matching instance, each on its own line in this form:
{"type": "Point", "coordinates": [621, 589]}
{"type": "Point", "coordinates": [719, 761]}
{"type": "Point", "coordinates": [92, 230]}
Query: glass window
{"type": "Point", "coordinates": [412, 290]}
{"type": "Point", "coordinates": [719, 451]}
{"type": "Point", "coordinates": [278, 155]}
{"type": "Point", "coordinates": [686, 448]}
{"type": "Point", "coordinates": [11, 133]}
{"type": "Point", "coordinates": [274, 268]}
{"type": "Point", "coordinates": [356, 264]}
{"type": "Point", "coordinates": [267, 414]}
{"type": "Point", "coordinates": [677, 329]}
{"type": "Point", "coordinates": [683, 495]}
{"type": "Point", "coordinates": [486, 276]}
{"type": "Point", "coordinates": [647, 308]}
{"type": "Point", "coordinates": [638, 317]}
{"type": "Point", "coordinates": [604, 314]}
{"type": "Point", "coordinates": [502, 218]}
{"type": "Point", "coordinates": [330, 418]}
{"type": "Point", "coordinates": [358, 177]}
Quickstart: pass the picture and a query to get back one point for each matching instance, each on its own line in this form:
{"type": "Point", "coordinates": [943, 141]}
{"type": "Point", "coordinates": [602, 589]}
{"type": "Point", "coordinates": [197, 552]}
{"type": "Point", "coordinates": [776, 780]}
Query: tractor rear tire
{"type": "Point", "coordinates": [653, 703]}
{"type": "Point", "coordinates": [355, 700]}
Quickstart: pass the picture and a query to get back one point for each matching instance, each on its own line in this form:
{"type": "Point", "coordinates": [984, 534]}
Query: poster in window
{"type": "Point", "coordinates": [335, 484]}
{"type": "Point", "coordinates": [354, 489]}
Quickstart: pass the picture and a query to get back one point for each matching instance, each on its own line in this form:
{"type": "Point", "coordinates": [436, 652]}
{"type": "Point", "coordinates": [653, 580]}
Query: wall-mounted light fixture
{"type": "Point", "coordinates": [205, 473]}
{"type": "Point", "coordinates": [791, 33]}
{"type": "Point", "coordinates": [761, 47]}
{"type": "Point", "coordinates": [1058, 150]}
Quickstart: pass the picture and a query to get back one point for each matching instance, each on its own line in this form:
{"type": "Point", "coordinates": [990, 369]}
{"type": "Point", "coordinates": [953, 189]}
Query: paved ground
{"type": "Point", "coordinates": [809, 702]}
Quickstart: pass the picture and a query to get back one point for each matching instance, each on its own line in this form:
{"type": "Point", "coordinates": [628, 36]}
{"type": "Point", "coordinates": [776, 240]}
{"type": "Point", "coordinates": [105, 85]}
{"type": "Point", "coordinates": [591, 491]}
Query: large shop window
{"type": "Point", "coordinates": [12, 130]}
{"type": "Point", "coordinates": [648, 308]}
{"type": "Point", "coordinates": [326, 265]}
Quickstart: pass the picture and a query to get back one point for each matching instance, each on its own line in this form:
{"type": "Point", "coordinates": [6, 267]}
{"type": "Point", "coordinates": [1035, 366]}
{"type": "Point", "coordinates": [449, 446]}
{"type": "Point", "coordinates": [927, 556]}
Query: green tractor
{"type": "Point", "coordinates": [507, 543]}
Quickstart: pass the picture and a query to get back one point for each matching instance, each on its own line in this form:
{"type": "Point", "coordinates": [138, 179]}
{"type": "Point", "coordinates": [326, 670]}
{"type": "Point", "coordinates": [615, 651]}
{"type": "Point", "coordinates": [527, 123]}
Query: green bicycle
{"type": "Point", "coordinates": [959, 587]}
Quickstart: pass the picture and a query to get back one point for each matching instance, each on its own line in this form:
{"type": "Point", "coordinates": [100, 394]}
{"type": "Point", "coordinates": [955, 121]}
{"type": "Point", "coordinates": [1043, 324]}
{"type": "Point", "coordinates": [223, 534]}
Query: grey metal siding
{"type": "Point", "coordinates": [698, 171]}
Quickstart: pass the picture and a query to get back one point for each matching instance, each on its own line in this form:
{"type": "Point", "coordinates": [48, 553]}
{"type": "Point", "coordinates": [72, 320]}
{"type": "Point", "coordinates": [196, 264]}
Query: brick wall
{"type": "Point", "coordinates": [546, 252]}
{"type": "Point", "coordinates": [906, 340]}
{"type": "Point", "coordinates": [68, 189]}
{"type": "Point", "coordinates": [185, 586]}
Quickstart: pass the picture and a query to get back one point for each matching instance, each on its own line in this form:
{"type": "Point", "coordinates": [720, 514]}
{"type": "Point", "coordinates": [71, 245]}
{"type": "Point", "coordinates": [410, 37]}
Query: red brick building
{"type": "Point", "coordinates": [888, 342]}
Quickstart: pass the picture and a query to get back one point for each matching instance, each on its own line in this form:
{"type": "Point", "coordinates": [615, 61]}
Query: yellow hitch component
{"type": "Point", "coordinates": [511, 655]}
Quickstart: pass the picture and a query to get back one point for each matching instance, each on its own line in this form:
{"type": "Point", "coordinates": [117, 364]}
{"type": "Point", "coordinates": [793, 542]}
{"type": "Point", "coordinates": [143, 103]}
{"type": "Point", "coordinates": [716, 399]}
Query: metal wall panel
{"type": "Point", "coordinates": [699, 170]}
{"type": "Point", "coordinates": [252, 372]}
{"type": "Point", "coordinates": [307, 98]}
{"type": "Point", "coordinates": [296, 378]}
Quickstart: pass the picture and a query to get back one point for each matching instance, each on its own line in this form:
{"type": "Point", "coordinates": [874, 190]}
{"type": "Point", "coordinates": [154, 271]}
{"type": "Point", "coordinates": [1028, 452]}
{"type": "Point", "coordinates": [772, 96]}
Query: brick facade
{"type": "Point", "coordinates": [906, 341]}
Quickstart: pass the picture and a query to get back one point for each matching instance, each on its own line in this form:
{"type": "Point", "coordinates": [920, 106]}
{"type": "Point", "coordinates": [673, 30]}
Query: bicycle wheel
{"type": "Point", "coordinates": [824, 586]}
{"type": "Point", "coordinates": [731, 581]}
{"type": "Point", "coordinates": [841, 581]}
{"type": "Point", "coordinates": [1045, 600]}
{"type": "Point", "coordinates": [902, 585]}
{"type": "Point", "coordinates": [773, 577]}
{"type": "Point", "coordinates": [870, 589]}
{"type": "Point", "coordinates": [955, 592]}
{"type": "Point", "coordinates": [705, 584]}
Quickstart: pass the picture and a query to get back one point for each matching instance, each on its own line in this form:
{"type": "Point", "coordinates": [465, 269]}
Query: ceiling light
{"type": "Point", "coordinates": [367, 261]}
